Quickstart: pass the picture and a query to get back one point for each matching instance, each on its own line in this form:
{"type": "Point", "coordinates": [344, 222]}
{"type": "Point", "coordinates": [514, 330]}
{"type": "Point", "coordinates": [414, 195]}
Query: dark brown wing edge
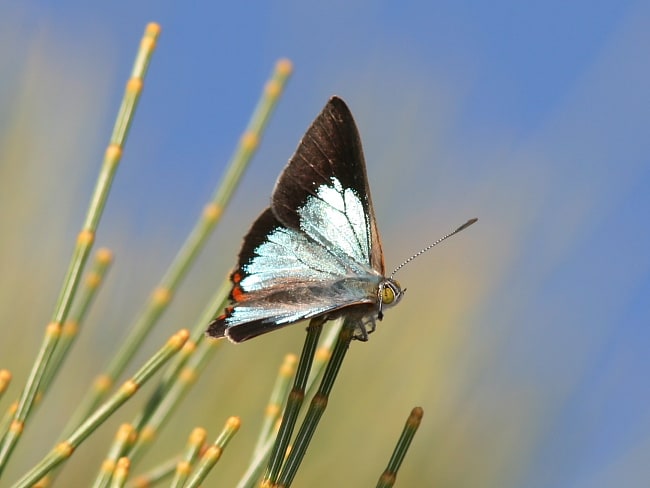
{"type": "Point", "coordinates": [241, 332]}
{"type": "Point", "coordinates": [261, 228]}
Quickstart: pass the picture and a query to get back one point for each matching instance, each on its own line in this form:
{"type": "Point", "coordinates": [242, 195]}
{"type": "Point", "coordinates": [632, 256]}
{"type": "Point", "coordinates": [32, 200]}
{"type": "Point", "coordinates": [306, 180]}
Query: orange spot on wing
{"type": "Point", "coordinates": [236, 277]}
{"type": "Point", "coordinates": [237, 294]}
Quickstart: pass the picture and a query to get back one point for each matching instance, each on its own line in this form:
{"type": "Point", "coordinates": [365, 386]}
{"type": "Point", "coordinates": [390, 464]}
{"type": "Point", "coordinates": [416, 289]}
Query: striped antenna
{"type": "Point", "coordinates": [462, 227]}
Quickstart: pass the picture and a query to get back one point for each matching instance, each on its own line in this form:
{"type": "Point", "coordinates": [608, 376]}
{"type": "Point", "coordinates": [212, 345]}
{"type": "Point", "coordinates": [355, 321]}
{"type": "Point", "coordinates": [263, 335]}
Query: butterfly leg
{"type": "Point", "coordinates": [360, 333]}
{"type": "Point", "coordinates": [363, 328]}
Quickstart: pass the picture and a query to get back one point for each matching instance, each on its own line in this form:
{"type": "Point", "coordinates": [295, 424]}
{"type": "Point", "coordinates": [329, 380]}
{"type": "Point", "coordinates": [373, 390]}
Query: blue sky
{"type": "Point", "coordinates": [532, 116]}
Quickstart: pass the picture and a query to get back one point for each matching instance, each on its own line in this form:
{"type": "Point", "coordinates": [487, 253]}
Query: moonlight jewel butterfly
{"type": "Point", "coordinates": [315, 252]}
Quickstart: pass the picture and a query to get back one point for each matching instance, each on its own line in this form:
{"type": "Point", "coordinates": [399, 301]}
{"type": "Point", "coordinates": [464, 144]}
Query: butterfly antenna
{"type": "Point", "coordinates": [462, 227]}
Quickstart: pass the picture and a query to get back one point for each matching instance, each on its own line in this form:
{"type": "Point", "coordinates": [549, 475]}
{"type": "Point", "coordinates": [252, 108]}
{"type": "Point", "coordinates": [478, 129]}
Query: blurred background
{"type": "Point", "coordinates": [525, 339]}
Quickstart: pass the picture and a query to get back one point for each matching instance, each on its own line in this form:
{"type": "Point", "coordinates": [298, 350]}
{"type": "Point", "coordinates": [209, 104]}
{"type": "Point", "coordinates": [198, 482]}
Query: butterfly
{"type": "Point", "coordinates": [315, 252]}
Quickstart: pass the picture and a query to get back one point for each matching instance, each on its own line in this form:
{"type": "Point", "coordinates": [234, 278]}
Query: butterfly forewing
{"type": "Point", "coordinates": [329, 162]}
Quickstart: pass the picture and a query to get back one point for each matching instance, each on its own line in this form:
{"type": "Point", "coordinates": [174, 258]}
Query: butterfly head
{"type": "Point", "coordinates": [390, 293]}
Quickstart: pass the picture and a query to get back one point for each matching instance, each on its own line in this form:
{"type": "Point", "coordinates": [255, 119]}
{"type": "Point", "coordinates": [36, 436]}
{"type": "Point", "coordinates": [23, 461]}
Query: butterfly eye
{"type": "Point", "coordinates": [387, 295]}
{"type": "Point", "coordinates": [391, 292]}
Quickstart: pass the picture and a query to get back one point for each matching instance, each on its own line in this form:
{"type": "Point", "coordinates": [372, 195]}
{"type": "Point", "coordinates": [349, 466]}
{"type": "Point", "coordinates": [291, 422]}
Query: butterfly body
{"type": "Point", "coordinates": [315, 252]}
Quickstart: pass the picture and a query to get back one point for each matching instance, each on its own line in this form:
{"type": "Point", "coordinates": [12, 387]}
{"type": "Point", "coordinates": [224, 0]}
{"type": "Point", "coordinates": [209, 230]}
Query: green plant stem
{"type": "Point", "coordinates": [324, 353]}
{"type": "Point", "coordinates": [192, 451]}
{"type": "Point", "coordinates": [165, 290]}
{"type": "Point", "coordinates": [213, 453]}
{"type": "Point", "coordinates": [124, 437]}
{"type": "Point", "coordinates": [83, 245]}
{"type": "Point", "coordinates": [179, 376]}
{"type": "Point", "coordinates": [278, 395]}
{"type": "Point", "coordinates": [70, 331]}
{"type": "Point", "coordinates": [294, 402]}
{"type": "Point", "coordinates": [261, 457]}
{"type": "Point", "coordinates": [64, 450]}
{"type": "Point", "coordinates": [387, 479]}
{"type": "Point", "coordinates": [210, 217]}
{"type": "Point", "coordinates": [6, 419]}
{"type": "Point", "coordinates": [256, 467]}
{"type": "Point", "coordinates": [5, 379]}
{"type": "Point", "coordinates": [158, 473]}
{"type": "Point", "coordinates": [318, 405]}
{"type": "Point", "coordinates": [173, 371]}
{"type": "Point", "coordinates": [95, 278]}
{"type": "Point", "coordinates": [121, 473]}
{"type": "Point", "coordinates": [173, 397]}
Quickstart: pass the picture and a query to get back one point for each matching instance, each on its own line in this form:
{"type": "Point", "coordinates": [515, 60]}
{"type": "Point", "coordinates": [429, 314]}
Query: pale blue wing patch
{"type": "Point", "coordinates": [335, 218]}
{"type": "Point", "coordinates": [288, 257]}
{"type": "Point", "coordinates": [333, 243]}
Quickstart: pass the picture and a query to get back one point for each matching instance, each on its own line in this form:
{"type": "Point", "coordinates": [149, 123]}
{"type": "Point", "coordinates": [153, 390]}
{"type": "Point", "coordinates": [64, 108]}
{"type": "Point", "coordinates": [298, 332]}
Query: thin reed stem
{"type": "Point", "coordinates": [125, 436]}
{"type": "Point", "coordinates": [294, 402]}
{"type": "Point", "coordinates": [165, 290]}
{"type": "Point", "coordinates": [5, 379]}
{"type": "Point", "coordinates": [121, 472]}
{"type": "Point", "coordinates": [155, 475]}
{"type": "Point", "coordinates": [318, 405]}
{"type": "Point", "coordinates": [213, 453]}
{"type": "Point", "coordinates": [84, 243]}
{"type": "Point", "coordinates": [387, 479]}
{"type": "Point", "coordinates": [255, 469]}
{"type": "Point", "coordinates": [192, 451]}
{"type": "Point", "coordinates": [261, 457]}
{"type": "Point", "coordinates": [171, 400]}
{"type": "Point", "coordinates": [7, 417]}
{"type": "Point", "coordinates": [64, 449]}
{"type": "Point", "coordinates": [278, 396]}
{"type": "Point", "coordinates": [210, 217]}
{"type": "Point", "coordinates": [178, 377]}
{"type": "Point", "coordinates": [173, 371]}
{"type": "Point", "coordinates": [70, 331]}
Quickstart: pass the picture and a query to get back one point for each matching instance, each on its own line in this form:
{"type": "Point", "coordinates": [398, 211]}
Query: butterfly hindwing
{"type": "Point", "coordinates": [282, 277]}
{"type": "Point", "coordinates": [263, 314]}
